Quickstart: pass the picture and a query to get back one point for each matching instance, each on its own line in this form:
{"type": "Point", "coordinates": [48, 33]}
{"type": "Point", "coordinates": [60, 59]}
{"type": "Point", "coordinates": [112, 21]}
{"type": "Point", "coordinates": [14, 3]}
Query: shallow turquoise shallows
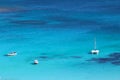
{"type": "Point", "coordinates": [60, 35]}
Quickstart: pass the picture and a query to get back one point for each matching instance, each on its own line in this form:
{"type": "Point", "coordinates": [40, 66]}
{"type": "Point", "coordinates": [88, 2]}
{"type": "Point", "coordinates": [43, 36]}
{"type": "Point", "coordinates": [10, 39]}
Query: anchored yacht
{"type": "Point", "coordinates": [95, 50]}
{"type": "Point", "coordinates": [12, 54]}
{"type": "Point", "coordinates": [36, 61]}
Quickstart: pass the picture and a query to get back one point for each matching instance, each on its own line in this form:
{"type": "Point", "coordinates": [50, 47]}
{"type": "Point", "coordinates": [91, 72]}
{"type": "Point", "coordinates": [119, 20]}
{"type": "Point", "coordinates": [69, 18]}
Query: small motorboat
{"type": "Point", "coordinates": [36, 61]}
{"type": "Point", "coordinates": [12, 54]}
{"type": "Point", "coordinates": [95, 51]}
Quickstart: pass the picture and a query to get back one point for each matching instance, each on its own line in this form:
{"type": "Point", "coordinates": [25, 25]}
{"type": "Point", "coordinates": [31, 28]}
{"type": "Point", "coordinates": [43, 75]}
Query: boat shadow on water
{"type": "Point", "coordinates": [33, 63]}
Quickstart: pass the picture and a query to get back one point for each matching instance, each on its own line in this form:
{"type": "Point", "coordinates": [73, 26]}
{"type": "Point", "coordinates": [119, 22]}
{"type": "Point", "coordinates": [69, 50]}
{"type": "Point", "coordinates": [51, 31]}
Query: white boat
{"type": "Point", "coordinates": [95, 50]}
{"type": "Point", "coordinates": [36, 61]}
{"type": "Point", "coordinates": [12, 54]}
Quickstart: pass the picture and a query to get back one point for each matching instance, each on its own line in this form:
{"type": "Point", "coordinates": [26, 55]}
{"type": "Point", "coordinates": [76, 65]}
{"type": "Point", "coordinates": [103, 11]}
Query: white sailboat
{"type": "Point", "coordinates": [95, 50]}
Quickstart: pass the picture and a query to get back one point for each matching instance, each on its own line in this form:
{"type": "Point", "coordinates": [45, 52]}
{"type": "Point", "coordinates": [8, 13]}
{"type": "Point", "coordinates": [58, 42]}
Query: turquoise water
{"type": "Point", "coordinates": [61, 39]}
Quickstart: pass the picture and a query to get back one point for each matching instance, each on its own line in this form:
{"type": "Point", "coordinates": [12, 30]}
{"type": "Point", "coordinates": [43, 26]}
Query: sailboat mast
{"type": "Point", "coordinates": [95, 43]}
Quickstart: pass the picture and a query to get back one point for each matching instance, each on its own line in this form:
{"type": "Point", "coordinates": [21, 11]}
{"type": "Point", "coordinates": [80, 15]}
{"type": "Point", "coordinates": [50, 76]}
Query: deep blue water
{"type": "Point", "coordinates": [60, 34]}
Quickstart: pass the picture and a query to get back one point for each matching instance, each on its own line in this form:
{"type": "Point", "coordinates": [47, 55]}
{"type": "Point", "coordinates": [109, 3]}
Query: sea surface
{"type": "Point", "coordinates": [60, 34]}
